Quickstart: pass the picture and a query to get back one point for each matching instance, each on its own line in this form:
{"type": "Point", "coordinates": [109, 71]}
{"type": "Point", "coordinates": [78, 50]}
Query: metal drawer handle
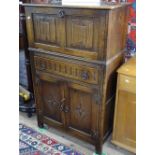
{"type": "Point", "coordinates": [42, 66]}
{"type": "Point", "coordinates": [61, 13]}
{"type": "Point", "coordinates": [85, 75]}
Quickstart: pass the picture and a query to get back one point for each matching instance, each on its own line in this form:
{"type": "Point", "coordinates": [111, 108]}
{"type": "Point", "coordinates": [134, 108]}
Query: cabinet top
{"type": "Point", "coordinates": [129, 68]}
{"type": "Point", "coordinates": [90, 4]}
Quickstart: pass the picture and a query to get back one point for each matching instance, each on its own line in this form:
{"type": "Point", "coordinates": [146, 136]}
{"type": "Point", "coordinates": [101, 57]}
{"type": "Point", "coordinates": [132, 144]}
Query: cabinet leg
{"type": "Point", "coordinates": [40, 124]}
{"type": "Point", "coordinates": [98, 148]}
{"type": "Point", "coordinates": [40, 119]}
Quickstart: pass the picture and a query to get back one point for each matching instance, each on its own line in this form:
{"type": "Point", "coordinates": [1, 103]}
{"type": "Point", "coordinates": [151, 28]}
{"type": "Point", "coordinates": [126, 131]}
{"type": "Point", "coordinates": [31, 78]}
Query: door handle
{"type": "Point", "coordinates": [62, 104]}
{"type": "Point", "coordinates": [61, 107]}
{"type": "Point", "coordinates": [66, 109]}
{"type": "Point", "coordinates": [61, 13]}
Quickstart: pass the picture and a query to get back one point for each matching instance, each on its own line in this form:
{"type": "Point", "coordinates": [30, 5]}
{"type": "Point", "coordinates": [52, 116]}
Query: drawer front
{"type": "Point", "coordinates": [127, 83]}
{"type": "Point", "coordinates": [67, 69]}
{"type": "Point", "coordinates": [75, 32]}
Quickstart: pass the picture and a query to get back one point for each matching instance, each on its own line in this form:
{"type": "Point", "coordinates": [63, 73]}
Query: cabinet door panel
{"type": "Point", "coordinates": [80, 110]}
{"type": "Point", "coordinates": [51, 99]}
{"type": "Point", "coordinates": [47, 29]}
{"type": "Point", "coordinates": [125, 125]}
{"type": "Point", "coordinates": [80, 33]}
{"type": "Point", "coordinates": [44, 27]}
{"type": "Point", "coordinates": [83, 116]}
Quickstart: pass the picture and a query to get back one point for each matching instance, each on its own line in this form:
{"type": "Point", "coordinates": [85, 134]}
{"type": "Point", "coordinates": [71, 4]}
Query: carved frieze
{"type": "Point", "coordinates": [75, 71]}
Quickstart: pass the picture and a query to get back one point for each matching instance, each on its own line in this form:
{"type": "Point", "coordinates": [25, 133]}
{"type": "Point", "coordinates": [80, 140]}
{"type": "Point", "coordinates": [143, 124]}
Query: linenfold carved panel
{"type": "Point", "coordinates": [46, 28]}
{"type": "Point", "coordinates": [67, 69]}
{"type": "Point", "coordinates": [82, 33]}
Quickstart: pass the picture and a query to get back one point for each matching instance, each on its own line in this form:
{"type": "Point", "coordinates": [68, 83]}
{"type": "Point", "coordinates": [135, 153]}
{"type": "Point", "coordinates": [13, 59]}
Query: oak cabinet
{"type": "Point", "coordinates": [75, 51]}
{"type": "Point", "coordinates": [124, 132]}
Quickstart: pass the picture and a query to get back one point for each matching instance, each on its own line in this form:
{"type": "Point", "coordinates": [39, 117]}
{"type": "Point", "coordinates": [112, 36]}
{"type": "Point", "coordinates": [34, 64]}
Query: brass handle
{"type": "Point", "coordinates": [61, 107]}
{"type": "Point", "coordinates": [85, 75]}
{"type": "Point", "coordinates": [61, 13]}
{"type": "Point", "coordinates": [66, 109]}
{"type": "Point", "coordinates": [62, 104]}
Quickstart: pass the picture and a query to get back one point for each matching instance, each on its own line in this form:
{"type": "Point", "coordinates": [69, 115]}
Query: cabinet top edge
{"type": "Point", "coordinates": [100, 6]}
{"type": "Point", "coordinates": [129, 68]}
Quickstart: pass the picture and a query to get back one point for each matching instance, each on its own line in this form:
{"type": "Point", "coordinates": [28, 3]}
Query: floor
{"type": "Point", "coordinates": [107, 149]}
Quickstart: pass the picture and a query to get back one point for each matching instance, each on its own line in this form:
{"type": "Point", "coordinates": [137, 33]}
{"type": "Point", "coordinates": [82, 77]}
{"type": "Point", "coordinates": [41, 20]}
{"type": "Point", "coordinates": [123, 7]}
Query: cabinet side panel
{"type": "Point", "coordinates": [117, 31]}
{"type": "Point", "coordinates": [109, 90]}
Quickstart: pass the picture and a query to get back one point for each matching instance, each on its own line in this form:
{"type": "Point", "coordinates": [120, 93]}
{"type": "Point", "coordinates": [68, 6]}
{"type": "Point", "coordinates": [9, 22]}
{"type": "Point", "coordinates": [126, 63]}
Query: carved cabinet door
{"type": "Point", "coordinates": [82, 111]}
{"type": "Point", "coordinates": [50, 99]}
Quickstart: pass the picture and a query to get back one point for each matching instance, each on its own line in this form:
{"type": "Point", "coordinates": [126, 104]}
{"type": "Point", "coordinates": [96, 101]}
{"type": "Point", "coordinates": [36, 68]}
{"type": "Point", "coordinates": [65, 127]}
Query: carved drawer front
{"type": "Point", "coordinates": [67, 69]}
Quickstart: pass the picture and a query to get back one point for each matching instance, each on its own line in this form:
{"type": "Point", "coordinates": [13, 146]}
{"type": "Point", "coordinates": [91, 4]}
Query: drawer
{"type": "Point", "coordinates": [74, 32]}
{"type": "Point", "coordinates": [67, 69]}
{"type": "Point", "coordinates": [127, 83]}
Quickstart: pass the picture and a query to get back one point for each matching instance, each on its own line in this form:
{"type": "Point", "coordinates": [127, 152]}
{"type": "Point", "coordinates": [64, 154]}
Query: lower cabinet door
{"type": "Point", "coordinates": [50, 99]}
{"type": "Point", "coordinates": [83, 111]}
{"type": "Point", "coordinates": [125, 120]}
